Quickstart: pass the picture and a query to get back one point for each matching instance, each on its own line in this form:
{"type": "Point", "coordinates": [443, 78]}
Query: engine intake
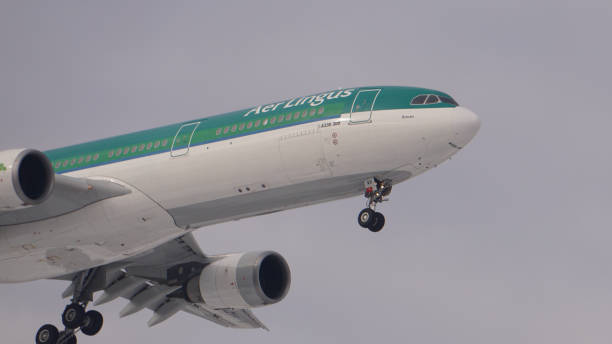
{"type": "Point", "coordinates": [243, 280]}
{"type": "Point", "coordinates": [26, 178]}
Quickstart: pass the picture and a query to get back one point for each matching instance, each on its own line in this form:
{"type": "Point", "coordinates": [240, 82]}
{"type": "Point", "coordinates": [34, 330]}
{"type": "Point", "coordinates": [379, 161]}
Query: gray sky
{"type": "Point", "coordinates": [509, 242]}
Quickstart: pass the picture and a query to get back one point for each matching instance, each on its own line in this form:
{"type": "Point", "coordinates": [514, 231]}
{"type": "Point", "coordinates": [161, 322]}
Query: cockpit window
{"type": "Point", "coordinates": [448, 100]}
{"type": "Point", "coordinates": [428, 99]}
{"type": "Point", "coordinates": [432, 99]}
{"type": "Point", "coordinates": [418, 100]}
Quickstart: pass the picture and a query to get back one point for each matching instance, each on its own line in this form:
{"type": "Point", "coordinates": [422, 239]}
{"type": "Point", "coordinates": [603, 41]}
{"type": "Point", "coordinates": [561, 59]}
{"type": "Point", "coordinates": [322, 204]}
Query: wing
{"type": "Point", "coordinates": [69, 194]}
{"type": "Point", "coordinates": [155, 281]}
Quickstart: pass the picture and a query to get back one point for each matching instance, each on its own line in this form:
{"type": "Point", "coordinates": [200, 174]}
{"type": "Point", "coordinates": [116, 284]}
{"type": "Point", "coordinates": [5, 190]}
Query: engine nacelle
{"type": "Point", "coordinates": [26, 178]}
{"type": "Point", "coordinates": [242, 280]}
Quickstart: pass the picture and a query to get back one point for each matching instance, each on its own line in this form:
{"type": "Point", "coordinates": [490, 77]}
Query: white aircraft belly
{"type": "Point", "coordinates": [283, 198]}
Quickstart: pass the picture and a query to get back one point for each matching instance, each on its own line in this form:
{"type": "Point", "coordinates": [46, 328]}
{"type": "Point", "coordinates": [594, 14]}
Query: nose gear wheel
{"type": "Point", "coordinates": [366, 217]}
{"type": "Point", "coordinates": [375, 192]}
{"type": "Point", "coordinates": [378, 223]}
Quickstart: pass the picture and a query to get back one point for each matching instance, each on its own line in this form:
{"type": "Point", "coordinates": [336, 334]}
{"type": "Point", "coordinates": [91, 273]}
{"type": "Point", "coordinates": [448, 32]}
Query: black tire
{"type": "Point", "coordinates": [73, 316]}
{"type": "Point", "coordinates": [366, 217]}
{"type": "Point", "coordinates": [378, 223]}
{"type": "Point", "coordinates": [47, 334]}
{"type": "Point", "coordinates": [92, 324]}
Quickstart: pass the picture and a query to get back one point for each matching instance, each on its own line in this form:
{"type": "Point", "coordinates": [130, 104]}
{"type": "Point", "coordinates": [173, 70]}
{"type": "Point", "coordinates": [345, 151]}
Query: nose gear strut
{"type": "Point", "coordinates": [376, 191]}
{"type": "Point", "coordinates": [74, 316]}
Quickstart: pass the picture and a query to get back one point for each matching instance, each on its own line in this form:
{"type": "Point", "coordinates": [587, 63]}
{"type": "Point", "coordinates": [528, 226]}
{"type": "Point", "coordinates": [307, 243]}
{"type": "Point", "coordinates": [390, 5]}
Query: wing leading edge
{"type": "Point", "coordinates": [69, 194]}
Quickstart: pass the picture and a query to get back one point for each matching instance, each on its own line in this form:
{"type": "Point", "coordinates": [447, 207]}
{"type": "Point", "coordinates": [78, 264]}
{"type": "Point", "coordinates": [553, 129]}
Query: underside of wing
{"type": "Point", "coordinates": [177, 276]}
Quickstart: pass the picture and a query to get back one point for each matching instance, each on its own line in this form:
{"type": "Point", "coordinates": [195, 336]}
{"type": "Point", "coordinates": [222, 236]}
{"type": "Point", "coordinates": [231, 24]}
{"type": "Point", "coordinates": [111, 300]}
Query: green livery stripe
{"type": "Point", "coordinates": [296, 111]}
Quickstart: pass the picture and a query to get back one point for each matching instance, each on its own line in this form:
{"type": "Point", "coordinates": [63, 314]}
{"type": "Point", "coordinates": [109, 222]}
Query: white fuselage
{"type": "Point", "coordinates": [231, 179]}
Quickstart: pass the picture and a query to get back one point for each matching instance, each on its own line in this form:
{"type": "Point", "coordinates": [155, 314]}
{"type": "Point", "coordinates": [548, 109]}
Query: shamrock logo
{"type": "Point", "coordinates": [2, 167]}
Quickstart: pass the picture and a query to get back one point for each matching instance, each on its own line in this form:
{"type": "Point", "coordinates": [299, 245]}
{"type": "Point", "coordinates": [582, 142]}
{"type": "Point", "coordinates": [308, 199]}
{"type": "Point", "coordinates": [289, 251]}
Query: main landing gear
{"type": "Point", "coordinates": [375, 191]}
{"type": "Point", "coordinates": [74, 317]}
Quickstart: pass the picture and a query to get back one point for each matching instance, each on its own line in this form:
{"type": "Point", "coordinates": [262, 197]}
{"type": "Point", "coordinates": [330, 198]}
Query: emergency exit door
{"type": "Point", "coordinates": [182, 139]}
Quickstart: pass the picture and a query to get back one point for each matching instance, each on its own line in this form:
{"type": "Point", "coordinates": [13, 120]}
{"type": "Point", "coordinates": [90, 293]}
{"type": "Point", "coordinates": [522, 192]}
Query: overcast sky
{"type": "Point", "coordinates": [509, 242]}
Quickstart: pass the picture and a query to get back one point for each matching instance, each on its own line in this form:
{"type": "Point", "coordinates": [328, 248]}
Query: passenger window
{"type": "Point", "coordinates": [72, 162]}
{"type": "Point", "coordinates": [126, 150]}
{"type": "Point", "coordinates": [265, 122]}
{"type": "Point", "coordinates": [241, 127]}
{"type": "Point", "coordinates": [65, 163]}
{"type": "Point", "coordinates": [296, 115]}
{"type": "Point", "coordinates": [156, 144]}
{"type": "Point", "coordinates": [234, 127]}
{"type": "Point", "coordinates": [134, 148]}
{"type": "Point", "coordinates": [312, 112]}
{"type": "Point", "coordinates": [149, 145]}
{"type": "Point", "coordinates": [225, 130]}
{"type": "Point", "coordinates": [418, 100]}
{"type": "Point", "coordinates": [58, 164]}
{"type": "Point", "coordinates": [321, 110]}
{"type": "Point", "coordinates": [218, 131]}
{"type": "Point", "coordinates": [96, 156]}
{"type": "Point", "coordinates": [118, 152]}
{"type": "Point", "coordinates": [280, 118]}
{"type": "Point", "coordinates": [257, 122]}
{"type": "Point", "coordinates": [273, 120]}
{"type": "Point", "coordinates": [432, 99]}
{"type": "Point", "coordinates": [249, 125]}
{"type": "Point", "coordinates": [141, 148]}
{"type": "Point", "coordinates": [164, 142]}
{"type": "Point", "coordinates": [81, 160]}
{"type": "Point", "coordinates": [88, 159]}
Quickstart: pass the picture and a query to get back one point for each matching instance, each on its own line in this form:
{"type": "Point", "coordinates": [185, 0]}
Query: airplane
{"type": "Point", "coordinates": [115, 216]}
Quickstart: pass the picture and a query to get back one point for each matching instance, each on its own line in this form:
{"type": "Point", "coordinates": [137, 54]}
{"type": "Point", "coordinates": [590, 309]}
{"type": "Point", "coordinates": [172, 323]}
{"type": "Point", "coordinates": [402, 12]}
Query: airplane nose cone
{"type": "Point", "coordinates": [467, 125]}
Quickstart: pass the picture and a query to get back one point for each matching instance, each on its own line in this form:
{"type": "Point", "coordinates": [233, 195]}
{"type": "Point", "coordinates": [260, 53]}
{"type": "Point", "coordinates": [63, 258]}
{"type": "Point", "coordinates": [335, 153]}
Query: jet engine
{"type": "Point", "coordinates": [26, 178]}
{"type": "Point", "coordinates": [242, 280]}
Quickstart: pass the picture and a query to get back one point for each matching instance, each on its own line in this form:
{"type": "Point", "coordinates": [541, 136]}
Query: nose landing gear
{"type": "Point", "coordinates": [74, 316]}
{"type": "Point", "coordinates": [375, 191]}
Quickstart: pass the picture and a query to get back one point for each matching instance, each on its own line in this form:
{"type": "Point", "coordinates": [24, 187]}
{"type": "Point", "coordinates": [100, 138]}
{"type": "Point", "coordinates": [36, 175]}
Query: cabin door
{"type": "Point", "coordinates": [182, 139]}
{"type": "Point", "coordinates": [361, 111]}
